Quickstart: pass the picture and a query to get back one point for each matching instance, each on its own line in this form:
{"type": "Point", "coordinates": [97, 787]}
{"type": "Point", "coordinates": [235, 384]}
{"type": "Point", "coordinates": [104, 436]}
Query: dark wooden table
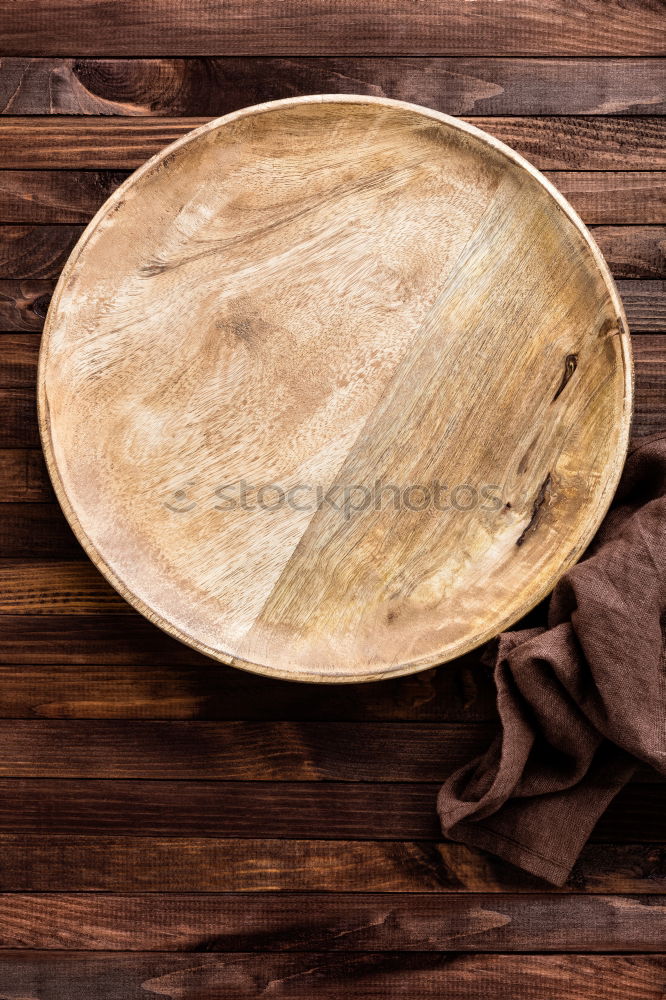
{"type": "Point", "coordinates": [173, 828]}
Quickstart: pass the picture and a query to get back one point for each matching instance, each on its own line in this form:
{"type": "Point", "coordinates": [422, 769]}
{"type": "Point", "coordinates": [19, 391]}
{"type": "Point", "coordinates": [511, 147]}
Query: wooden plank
{"type": "Point", "coordinates": [19, 354]}
{"type": "Point", "coordinates": [239, 751]}
{"type": "Point", "coordinates": [630, 198]}
{"type": "Point", "coordinates": [23, 477]}
{"type": "Point", "coordinates": [559, 143]}
{"type": "Point", "coordinates": [23, 304]}
{"type": "Point", "coordinates": [36, 530]}
{"type": "Point", "coordinates": [40, 251]}
{"type": "Point", "coordinates": [55, 196]}
{"type": "Point", "coordinates": [645, 305]}
{"type": "Point", "coordinates": [83, 639]}
{"type": "Point", "coordinates": [650, 384]}
{"type": "Point", "coordinates": [286, 922]}
{"type": "Point", "coordinates": [462, 691]}
{"type": "Point", "coordinates": [46, 587]}
{"type": "Point", "coordinates": [80, 144]}
{"type": "Point", "coordinates": [18, 428]}
{"type": "Point", "coordinates": [212, 87]}
{"type": "Point", "coordinates": [633, 251]}
{"type": "Point", "coordinates": [264, 809]}
{"type": "Point", "coordinates": [427, 975]}
{"type": "Point", "coordinates": [35, 251]}
{"type": "Point", "coordinates": [54, 863]}
{"type": "Point", "coordinates": [160, 27]}
{"type": "Point", "coordinates": [244, 751]}
{"type": "Point", "coordinates": [550, 143]}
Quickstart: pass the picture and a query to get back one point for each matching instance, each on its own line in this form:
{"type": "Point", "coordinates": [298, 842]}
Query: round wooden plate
{"type": "Point", "coordinates": [335, 388]}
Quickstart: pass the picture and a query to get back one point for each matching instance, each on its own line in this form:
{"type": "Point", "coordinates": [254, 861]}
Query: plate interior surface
{"type": "Point", "coordinates": [335, 388]}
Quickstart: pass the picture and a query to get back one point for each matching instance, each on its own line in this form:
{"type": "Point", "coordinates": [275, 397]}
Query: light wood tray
{"type": "Point", "coordinates": [382, 327]}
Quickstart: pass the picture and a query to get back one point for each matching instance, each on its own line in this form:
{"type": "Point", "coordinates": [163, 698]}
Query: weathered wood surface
{"type": "Point", "coordinates": [286, 922]}
{"type": "Point", "coordinates": [214, 86]}
{"type": "Point", "coordinates": [55, 196]}
{"type": "Point", "coordinates": [71, 650]}
{"type": "Point", "coordinates": [549, 142]}
{"type": "Point", "coordinates": [23, 476]}
{"type": "Point", "coordinates": [172, 690]}
{"type": "Point", "coordinates": [244, 751]}
{"type": "Point", "coordinates": [427, 975]}
{"type": "Point", "coordinates": [45, 862]}
{"type": "Point", "coordinates": [261, 28]}
{"type": "Point", "coordinates": [40, 251]}
{"type": "Point", "coordinates": [264, 809]}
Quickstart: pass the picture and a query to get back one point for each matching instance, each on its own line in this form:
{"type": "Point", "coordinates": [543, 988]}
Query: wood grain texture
{"type": "Point", "coordinates": [645, 304]}
{"type": "Point", "coordinates": [260, 28]}
{"type": "Point", "coordinates": [212, 87]}
{"type": "Point", "coordinates": [549, 143]}
{"type": "Point", "coordinates": [263, 809]}
{"type": "Point", "coordinates": [462, 692]}
{"type": "Point", "coordinates": [24, 304]}
{"type": "Point", "coordinates": [284, 922]}
{"type": "Point", "coordinates": [303, 596]}
{"type": "Point", "coordinates": [23, 477]}
{"type": "Point", "coordinates": [243, 751]}
{"type": "Point", "coordinates": [40, 251]}
{"type": "Point", "coordinates": [44, 589]}
{"type": "Point", "coordinates": [71, 650]}
{"type": "Point", "coordinates": [19, 353]}
{"type": "Point", "coordinates": [35, 251]}
{"type": "Point", "coordinates": [633, 251]}
{"type": "Point", "coordinates": [36, 530]}
{"type": "Point", "coordinates": [73, 196]}
{"type": "Point", "coordinates": [55, 196]}
{"type": "Point", "coordinates": [18, 371]}
{"type": "Point", "coordinates": [57, 863]}
{"type": "Point", "coordinates": [428, 975]}
{"type": "Point", "coordinates": [630, 197]}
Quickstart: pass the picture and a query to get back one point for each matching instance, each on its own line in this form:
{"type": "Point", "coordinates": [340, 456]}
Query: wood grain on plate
{"type": "Point", "coordinates": [49, 862]}
{"type": "Point", "coordinates": [40, 251]}
{"type": "Point", "coordinates": [400, 27]}
{"type": "Point", "coordinates": [620, 197]}
{"type": "Point", "coordinates": [351, 295]}
{"type": "Point", "coordinates": [215, 86]}
{"type": "Point", "coordinates": [24, 304]}
{"type": "Point", "coordinates": [23, 479]}
{"type": "Point", "coordinates": [48, 975]}
{"type": "Point", "coordinates": [549, 143]}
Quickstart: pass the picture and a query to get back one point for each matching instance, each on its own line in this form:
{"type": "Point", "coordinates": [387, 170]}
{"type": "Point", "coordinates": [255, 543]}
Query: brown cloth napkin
{"type": "Point", "coordinates": [582, 702]}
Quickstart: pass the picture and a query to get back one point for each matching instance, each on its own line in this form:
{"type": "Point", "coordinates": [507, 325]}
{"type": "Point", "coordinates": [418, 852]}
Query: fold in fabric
{"type": "Point", "coordinates": [581, 703]}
